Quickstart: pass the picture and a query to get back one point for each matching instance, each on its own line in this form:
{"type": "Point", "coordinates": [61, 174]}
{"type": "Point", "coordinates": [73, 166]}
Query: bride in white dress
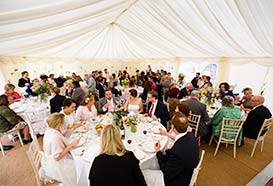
{"type": "Point", "coordinates": [133, 103]}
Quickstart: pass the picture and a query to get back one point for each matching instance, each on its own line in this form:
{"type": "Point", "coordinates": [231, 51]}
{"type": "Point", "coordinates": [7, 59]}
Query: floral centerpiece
{"type": "Point", "coordinates": [118, 114]}
{"type": "Point", "coordinates": [208, 95]}
{"type": "Point", "coordinates": [132, 120]}
{"type": "Point", "coordinates": [42, 90]}
{"type": "Point", "coordinates": [125, 82]}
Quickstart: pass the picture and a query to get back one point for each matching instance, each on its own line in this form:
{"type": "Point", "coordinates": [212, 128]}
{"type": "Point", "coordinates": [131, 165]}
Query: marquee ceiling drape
{"type": "Point", "coordinates": [136, 28]}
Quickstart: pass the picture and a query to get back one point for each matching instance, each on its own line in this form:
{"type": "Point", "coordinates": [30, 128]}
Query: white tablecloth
{"type": "Point", "coordinates": [148, 164]}
{"type": "Point", "coordinates": [32, 105]}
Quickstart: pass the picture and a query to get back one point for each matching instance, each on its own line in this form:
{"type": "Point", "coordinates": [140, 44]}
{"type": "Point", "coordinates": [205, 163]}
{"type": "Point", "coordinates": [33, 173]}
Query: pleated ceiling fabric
{"type": "Point", "coordinates": [136, 29]}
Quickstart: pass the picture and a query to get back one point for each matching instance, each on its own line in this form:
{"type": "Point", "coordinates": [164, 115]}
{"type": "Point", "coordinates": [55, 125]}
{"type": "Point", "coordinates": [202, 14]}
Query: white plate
{"type": "Point", "coordinates": [155, 129]}
{"type": "Point", "coordinates": [155, 123]}
{"type": "Point", "coordinates": [139, 154]}
{"type": "Point", "coordinates": [148, 147]}
{"type": "Point", "coordinates": [79, 151]}
{"type": "Point", "coordinates": [96, 119]}
{"type": "Point", "coordinates": [82, 129]}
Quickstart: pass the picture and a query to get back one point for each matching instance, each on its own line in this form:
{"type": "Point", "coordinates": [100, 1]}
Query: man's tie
{"type": "Point", "coordinates": [151, 110]}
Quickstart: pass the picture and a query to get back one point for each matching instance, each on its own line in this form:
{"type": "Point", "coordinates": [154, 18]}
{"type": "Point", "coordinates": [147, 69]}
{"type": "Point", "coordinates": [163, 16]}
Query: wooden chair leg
{"type": "Point", "coordinates": [254, 147]}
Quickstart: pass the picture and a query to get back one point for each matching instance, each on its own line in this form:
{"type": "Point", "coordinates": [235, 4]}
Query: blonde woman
{"type": "Point", "coordinates": [57, 162]}
{"type": "Point", "coordinates": [87, 109]}
{"type": "Point", "coordinates": [115, 165]}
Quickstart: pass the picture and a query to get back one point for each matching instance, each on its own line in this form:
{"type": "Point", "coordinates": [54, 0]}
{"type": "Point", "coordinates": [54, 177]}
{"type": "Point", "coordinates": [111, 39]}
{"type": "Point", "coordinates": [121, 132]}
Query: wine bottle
{"type": "Point", "coordinates": [122, 131]}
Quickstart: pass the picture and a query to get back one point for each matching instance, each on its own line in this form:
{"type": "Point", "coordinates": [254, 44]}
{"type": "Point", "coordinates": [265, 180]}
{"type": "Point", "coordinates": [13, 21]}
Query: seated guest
{"type": "Point", "coordinates": [133, 103]}
{"type": "Point", "coordinates": [173, 100]}
{"type": "Point", "coordinates": [183, 108]}
{"type": "Point", "coordinates": [156, 108]}
{"type": "Point", "coordinates": [69, 106]}
{"type": "Point", "coordinates": [99, 87]}
{"type": "Point", "coordinates": [115, 165]}
{"type": "Point", "coordinates": [226, 111]}
{"type": "Point", "coordinates": [225, 90]}
{"type": "Point", "coordinates": [10, 120]}
{"type": "Point", "coordinates": [60, 81]}
{"type": "Point", "coordinates": [178, 162]}
{"type": "Point", "coordinates": [9, 91]}
{"type": "Point", "coordinates": [186, 91]}
{"type": "Point", "coordinates": [78, 93]}
{"type": "Point", "coordinates": [206, 82]}
{"type": "Point", "coordinates": [255, 118]}
{"type": "Point", "coordinates": [56, 102]}
{"type": "Point", "coordinates": [107, 103]}
{"type": "Point", "coordinates": [87, 109]}
{"type": "Point", "coordinates": [58, 163]}
{"type": "Point", "coordinates": [199, 108]}
{"type": "Point", "coordinates": [68, 88]}
{"type": "Point", "coordinates": [245, 102]}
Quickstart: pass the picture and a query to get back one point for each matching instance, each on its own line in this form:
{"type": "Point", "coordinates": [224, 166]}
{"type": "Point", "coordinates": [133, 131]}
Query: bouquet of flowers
{"type": "Point", "coordinates": [208, 95]}
{"type": "Point", "coordinates": [39, 88]}
{"type": "Point", "coordinates": [125, 82]}
{"type": "Point", "coordinates": [132, 120]}
{"type": "Point", "coordinates": [118, 114]}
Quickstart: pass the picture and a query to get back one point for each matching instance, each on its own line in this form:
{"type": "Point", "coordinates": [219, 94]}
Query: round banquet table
{"type": "Point", "coordinates": [142, 145]}
{"type": "Point", "coordinates": [32, 105]}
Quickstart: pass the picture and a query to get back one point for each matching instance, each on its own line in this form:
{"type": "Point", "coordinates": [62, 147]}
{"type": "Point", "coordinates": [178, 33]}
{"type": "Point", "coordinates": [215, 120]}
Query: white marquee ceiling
{"type": "Point", "coordinates": [136, 28]}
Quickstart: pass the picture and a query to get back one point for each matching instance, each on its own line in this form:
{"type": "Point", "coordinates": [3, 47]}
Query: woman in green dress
{"type": "Point", "coordinates": [226, 111]}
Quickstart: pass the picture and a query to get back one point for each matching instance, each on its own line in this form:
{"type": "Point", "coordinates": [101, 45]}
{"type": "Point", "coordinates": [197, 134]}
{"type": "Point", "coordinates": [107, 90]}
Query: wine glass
{"type": "Point", "coordinates": [144, 132]}
{"type": "Point", "coordinates": [129, 141]}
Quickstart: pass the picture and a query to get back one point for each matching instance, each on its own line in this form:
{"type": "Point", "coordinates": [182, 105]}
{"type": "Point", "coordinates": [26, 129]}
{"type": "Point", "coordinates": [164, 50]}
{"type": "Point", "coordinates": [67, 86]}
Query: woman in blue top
{"type": "Point", "coordinates": [224, 90]}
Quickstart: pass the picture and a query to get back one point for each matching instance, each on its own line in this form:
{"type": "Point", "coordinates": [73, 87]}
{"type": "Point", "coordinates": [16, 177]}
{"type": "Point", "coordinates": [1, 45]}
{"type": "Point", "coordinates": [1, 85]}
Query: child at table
{"type": "Point", "coordinates": [57, 162]}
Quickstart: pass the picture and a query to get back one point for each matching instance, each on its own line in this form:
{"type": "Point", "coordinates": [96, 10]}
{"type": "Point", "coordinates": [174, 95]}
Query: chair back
{"type": "Point", "coordinates": [35, 156]}
{"type": "Point", "coordinates": [231, 128]}
{"type": "Point", "coordinates": [194, 121]}
{"type": "Point", "coordinates": [265, 127]}
{"type": "Point", "coordinates": [35, 120]}
{"type": "Point", "coordinates": [196, 170]}
{"type": "Point", "coordinates": [262, 134]}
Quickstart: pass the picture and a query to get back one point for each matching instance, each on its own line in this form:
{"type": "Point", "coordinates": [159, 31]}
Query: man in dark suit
{"type": "Point", "coordinates": [194, 81]}
{"type": "Point", "coordinates": [99, 87]}
{"type": "Point", "coordinates": [199, 108]}
{"type": "Point", "coordinates": [255, 118]}
{"type": "Point", "coordinates": [108, 103]}
{"type": "Point", "coordinates": [179, 161]}
{"type": "Point", "coordinates": [156, 108]}
{"type": "Point", "coordinates": [186, 91]}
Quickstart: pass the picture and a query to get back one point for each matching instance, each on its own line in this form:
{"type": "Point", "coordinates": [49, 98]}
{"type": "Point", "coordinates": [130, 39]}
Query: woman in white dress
{"type": "Point", "coordinates": [57, 162]}
{"type": "Point", "coordinates": [87, 109]}
{"type": "Point", "coordinates": [133, 103]}
{"type": "Point", "coordinates": [70, 121]}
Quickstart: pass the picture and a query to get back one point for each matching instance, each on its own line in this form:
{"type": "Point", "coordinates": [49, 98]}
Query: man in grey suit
{"type": "Point", "coordinates": [108, 103]}
{"type": "Point", "coordinates": [199, 108]}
